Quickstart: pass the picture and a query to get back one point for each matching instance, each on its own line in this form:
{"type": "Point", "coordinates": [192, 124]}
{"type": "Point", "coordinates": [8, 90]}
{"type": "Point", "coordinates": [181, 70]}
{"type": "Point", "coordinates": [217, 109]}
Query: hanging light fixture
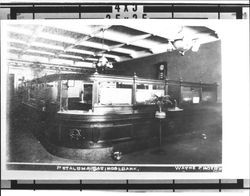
{"type": "Point", "coordinates": [103, 61]}
{"type": "Point", "coordinates": [186, 42]}
{"type": "Point", "coordinates": [183, 45]}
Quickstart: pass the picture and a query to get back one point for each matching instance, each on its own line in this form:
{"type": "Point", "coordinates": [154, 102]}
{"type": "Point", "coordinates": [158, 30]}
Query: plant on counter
{"type": "Point", "coordinates": [160, 101]}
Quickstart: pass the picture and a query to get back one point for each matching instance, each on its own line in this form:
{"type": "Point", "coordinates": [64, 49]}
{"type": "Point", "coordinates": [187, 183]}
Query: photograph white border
{"type": "Point", "coordinates": [234, 36]}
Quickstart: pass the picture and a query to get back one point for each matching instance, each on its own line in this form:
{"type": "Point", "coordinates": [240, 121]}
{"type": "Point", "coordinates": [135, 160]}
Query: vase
{"type": "Point", "coordinates": [160, 114]}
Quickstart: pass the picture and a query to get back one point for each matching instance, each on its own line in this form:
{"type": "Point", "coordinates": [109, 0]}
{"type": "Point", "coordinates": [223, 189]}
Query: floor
{"type": "Point", "coordinates": [199, 147]}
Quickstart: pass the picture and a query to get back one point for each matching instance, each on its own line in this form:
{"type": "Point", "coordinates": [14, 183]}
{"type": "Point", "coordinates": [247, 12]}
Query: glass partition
{"type": "Point", "coordinates": [86, 95]}
{"type": "Point", "coordinates": [209, 94]}
{"type": "Point", "coordinates": [64, 95]}
{"type": "Point", "coordinates": [76, 95]}
{"type": "Point", "coordinates": [190, 94]}
{"type": "Point", "coordinates": [74, 88]}
{"type": "Point", "coordinates": [115, 93]}
{"type": "Point", "coordinates": [51, 92]}
{"type": "Point", "coordinates": [145, 92]}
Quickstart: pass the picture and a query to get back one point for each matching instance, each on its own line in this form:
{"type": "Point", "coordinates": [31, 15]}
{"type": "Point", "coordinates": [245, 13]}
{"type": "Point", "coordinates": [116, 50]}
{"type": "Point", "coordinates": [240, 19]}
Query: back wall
{"type": "Point", "coordinates": [204, 65]}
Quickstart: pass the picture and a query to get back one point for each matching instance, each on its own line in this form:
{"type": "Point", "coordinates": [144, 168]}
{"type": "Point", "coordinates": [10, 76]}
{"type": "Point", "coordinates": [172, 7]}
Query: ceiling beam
{"type": "Point", "coordinates": [120, 52]}
{"type": "Point", "coordinates": [34, 35]}
{"type": "Point", "coordinates": [136, 38]}
{"type": "Point", "coordinates": [81, 40]}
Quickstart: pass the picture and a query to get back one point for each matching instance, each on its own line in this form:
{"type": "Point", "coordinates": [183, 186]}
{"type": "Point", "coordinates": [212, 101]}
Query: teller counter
{"type": "Point", "coordinates": [114, 113]}
{"type": "Point", "coordinates": [79, 129]}
{"type": "Point", "coordinates": [128, 131]}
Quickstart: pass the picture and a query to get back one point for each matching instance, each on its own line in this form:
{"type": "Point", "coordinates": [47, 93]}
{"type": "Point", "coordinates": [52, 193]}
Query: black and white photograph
{"type": "Point", "coordinates": [124, 96]}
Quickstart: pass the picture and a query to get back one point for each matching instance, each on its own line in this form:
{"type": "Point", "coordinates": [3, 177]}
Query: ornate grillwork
{"type": "Point", "coordinates": [76, 134]}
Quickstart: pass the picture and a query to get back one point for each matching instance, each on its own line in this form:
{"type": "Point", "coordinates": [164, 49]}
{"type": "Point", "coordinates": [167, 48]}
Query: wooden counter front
{"type": "Point", "coordinates": [95, 130]}
{"type": "Point", "coordinates": [123, 131]}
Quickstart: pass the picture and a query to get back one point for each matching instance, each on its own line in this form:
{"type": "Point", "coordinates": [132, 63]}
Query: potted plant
{"type": "Point", "coordinates": [160, 101]}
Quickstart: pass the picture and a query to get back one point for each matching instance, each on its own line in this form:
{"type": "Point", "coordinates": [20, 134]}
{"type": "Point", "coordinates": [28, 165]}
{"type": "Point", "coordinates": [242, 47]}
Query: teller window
{"type": "Point", "coordinates": [146, 92]}
{"type": "Point", "coordinates": [190, 95]}
{"type": "Point", "coordinates": [115, 93]}
{"type": "Point", "coordinates": [78, 95]}
{"type": "Point", "coordinates": [209, 94]}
